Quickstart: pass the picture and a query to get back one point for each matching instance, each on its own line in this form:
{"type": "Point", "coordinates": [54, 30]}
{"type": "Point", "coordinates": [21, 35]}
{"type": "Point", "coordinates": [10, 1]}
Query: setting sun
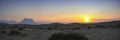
{"type": "Point", "coordinates": [86, 19]}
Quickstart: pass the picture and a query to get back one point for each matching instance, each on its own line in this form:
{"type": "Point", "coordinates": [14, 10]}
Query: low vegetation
{"type": "Point", "coordinates": [14, 32]}
{"type": "Point", "coordinates": [3, 32]}
{"type": "Point", "coordinates": [21, 28]}
{"type": "Point", "coordinates": [67, 36]}
{"type": "Point", "coordinates": [100, 26]}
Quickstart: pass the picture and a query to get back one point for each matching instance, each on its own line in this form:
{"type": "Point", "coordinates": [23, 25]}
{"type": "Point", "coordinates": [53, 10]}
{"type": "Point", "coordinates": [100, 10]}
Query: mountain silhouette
{"type": "Point", "coordinates": [8, 21]}
{"type": "Point", "coordinates": [27, 21]}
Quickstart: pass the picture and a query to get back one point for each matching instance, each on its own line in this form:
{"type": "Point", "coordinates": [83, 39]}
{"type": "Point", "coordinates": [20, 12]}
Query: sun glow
{"type": "Point", "coordinates": [86, 19]}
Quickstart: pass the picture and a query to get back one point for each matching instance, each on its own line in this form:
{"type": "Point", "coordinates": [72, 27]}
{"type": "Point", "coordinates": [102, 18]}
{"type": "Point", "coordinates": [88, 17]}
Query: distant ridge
{"type": "Point", "coordinates": [8, 21]}
{"type": "Point", "coordinates": [27, 21]}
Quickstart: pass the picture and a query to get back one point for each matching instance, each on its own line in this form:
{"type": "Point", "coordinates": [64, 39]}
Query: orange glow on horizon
{"type": "Point", "coordinates": [68, 18]}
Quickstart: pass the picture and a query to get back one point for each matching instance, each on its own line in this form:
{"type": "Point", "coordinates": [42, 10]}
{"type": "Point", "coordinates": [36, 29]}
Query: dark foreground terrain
{"type": "Point", "coordinates": [91, 34]}
{"type": "Point", "coordinates": [98, 31]}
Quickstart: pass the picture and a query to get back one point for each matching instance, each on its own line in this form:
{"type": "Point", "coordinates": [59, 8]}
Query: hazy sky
{"type": "Point", "coordinates": [60, 10]}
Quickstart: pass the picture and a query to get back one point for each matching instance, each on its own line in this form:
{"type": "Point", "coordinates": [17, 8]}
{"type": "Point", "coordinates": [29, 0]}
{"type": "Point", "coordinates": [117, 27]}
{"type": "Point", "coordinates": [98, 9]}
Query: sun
{"type": "Point", "coordinates": [86, 19]}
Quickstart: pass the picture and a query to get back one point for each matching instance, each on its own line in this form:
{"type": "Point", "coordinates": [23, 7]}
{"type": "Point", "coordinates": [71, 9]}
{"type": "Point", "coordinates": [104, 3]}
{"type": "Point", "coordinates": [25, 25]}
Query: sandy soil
{"type": "Point", "coordinates": [91, 34]}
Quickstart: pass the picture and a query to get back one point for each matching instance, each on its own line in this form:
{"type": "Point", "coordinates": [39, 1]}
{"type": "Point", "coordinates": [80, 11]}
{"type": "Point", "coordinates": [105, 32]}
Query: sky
{"type": "Point", "coordinates": [60, 10]}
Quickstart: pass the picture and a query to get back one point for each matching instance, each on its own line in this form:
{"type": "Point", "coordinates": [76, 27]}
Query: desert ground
{"type": "Point", "coordinates": [91, 34]}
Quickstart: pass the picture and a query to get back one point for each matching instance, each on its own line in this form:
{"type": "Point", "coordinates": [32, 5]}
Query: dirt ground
{"type": "Point", "coordinates": [91, 34]}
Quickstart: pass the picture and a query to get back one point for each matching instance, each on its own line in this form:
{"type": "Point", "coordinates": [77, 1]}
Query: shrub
{"type": "Point", "coordinates": [117, 25]}
{"type": "Point", "coordinates": [62, 29]}
{"type": "Point", "coordinates": [56, 36]}
{"type": "Point", "coordinates": [56, 27]}
{"type": "Point", "coordinates": [99, 26]}
{"type": "Point", "coordinates": [20, 28]}
{"type": "Point", "coordinates": [67, 36]}
{"type": "Point", "coordinates": [41, 28]}
{"type": "Point", "coordinates": [3, 32]}
{"type": "Point", "coordinates": [77, 28]}
{"type": "Point", "coordinates": [14, 32]}
{"type": "Point", "coordinates": [89, 27]}
{"type": "Point", "coordinates": [49, 28]}
{"type": "Point", "coordinates": [74, 36]}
